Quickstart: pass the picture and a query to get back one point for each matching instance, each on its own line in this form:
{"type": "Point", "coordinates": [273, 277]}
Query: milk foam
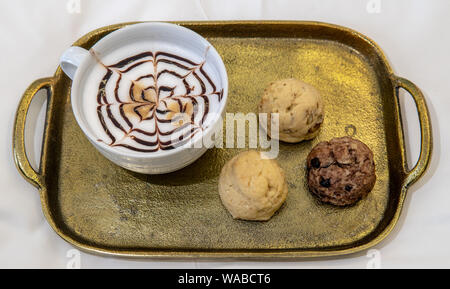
{"type": "Point", "coordinates": [131, 115]}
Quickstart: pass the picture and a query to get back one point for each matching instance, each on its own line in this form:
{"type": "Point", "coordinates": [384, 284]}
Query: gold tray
{"type": "Point", "coordinates": [100, 207]}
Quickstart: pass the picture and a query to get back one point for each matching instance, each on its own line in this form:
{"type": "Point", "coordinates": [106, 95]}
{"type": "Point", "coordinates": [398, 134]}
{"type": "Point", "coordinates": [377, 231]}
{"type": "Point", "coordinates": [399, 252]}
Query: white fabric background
{"type": "Point", "coordinates": [413, 34]}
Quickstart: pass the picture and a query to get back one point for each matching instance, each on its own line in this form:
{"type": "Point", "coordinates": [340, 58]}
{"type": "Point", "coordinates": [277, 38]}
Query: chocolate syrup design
{"type": "Point", "coordinates": [148, 100]}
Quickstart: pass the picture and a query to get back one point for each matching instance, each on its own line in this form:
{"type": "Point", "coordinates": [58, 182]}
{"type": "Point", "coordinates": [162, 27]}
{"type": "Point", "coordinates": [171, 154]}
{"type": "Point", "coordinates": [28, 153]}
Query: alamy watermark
{"type": "Point", "coordinates": [373, 6]}
{"type": "Point", "coordinates": [73, 6]}
{"type": "Point", "coordinates": [74, 257]}
{"type": "Point", "coordinates": [374, 256]}
{"type": "Point", "coordinates": [253, 131]}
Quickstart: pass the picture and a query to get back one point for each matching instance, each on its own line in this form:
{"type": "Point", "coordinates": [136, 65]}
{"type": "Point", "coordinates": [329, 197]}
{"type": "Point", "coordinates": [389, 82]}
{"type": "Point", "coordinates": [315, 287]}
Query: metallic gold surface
{"type": "Point", "coordinates": [103, 208]}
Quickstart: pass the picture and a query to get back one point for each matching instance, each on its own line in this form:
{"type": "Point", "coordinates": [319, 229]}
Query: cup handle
{"type": "Point", "coordinates": [71, 59]}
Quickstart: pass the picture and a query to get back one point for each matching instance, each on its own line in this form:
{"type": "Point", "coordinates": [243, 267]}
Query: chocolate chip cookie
{"type": "Point", "coordinates": [300, 108]}
{"type": "Point", "coordinates": [341, 171]}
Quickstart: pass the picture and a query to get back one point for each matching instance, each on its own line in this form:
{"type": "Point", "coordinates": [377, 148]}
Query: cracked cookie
{"type": "Point", "coordinates": [300, 108]}
{"type": "Point", "coordinates": [341, 171]}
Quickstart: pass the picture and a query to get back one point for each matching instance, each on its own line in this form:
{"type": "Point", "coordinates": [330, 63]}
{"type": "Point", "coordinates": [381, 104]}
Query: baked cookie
{"type": "Point", "coordinates": [341, 171]}
{"type": "Point", "coordinates": [300, 108]}
{"type": "Point", "coordinates": [252, 188]}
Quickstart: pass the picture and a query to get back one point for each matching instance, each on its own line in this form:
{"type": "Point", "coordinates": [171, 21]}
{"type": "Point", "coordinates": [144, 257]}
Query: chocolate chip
{"type": "Point", "coordinates": [348, 188]}
{"type": "Point", "coordinates": [315, 163]}
{"type": "Point", "coordinates": [325, 182]}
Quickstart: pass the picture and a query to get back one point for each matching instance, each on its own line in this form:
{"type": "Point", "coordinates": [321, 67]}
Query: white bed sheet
{"type": "Point", "coordinates": [413, 34]}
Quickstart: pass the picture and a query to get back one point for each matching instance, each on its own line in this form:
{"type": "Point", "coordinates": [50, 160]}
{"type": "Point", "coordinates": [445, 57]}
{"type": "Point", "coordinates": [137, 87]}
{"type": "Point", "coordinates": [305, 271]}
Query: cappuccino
{"type": "Point", "coordinates": [149, 98]}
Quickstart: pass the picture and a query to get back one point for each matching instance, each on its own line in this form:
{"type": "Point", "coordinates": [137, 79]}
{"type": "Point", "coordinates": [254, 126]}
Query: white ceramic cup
{"type": "Point", "coordinates": [76, 60]}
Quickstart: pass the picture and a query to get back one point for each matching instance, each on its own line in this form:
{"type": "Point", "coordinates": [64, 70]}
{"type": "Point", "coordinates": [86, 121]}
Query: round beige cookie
{"type": "Point", "coordinates": [252, 188]}
{"type": "Point", "coordinates": [300, 108]}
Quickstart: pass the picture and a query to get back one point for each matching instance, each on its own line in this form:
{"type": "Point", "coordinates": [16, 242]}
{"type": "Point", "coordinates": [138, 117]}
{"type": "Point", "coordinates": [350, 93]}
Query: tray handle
{"type": "Point", "coordinates": [20, 156]}
{"type": "Point", "coordinates": [426, 144]}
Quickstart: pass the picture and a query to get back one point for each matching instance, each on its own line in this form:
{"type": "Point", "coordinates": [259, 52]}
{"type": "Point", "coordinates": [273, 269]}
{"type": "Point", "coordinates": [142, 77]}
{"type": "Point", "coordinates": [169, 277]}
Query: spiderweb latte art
{"type": "Point", "coordinates": [154, 101]}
